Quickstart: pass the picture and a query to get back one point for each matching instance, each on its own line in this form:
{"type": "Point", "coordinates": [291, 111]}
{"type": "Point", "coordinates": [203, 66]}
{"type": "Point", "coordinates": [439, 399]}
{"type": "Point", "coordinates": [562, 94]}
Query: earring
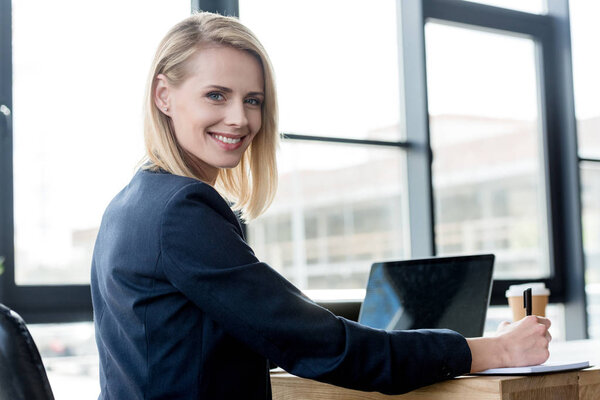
{"type": "Point", "coordinates": [165, 109]}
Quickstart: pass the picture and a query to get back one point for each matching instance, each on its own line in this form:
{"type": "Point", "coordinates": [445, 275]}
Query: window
{"type": "Point", "coordinates": [332, 82]}
{"type": "Point", "coordinates": [77, 90]}
{"type": "Point", "coordinates": [72, 78]}
{"type": "Point", "coordinates": [341, 164]}
{"type": "Point", "coordinates": [530, 99]}
{"type": "Point", "coordinates": [485, 132]}
{"type": "Point", "coordinates": [341, 204]}
{"type": "Point", "coordinates": [586, 62]}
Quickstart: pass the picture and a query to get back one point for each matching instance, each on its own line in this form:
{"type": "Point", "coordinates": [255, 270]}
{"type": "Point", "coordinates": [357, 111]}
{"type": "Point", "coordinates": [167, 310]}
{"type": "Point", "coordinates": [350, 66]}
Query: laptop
{"type": "Point", "coordinates": [430, 293]}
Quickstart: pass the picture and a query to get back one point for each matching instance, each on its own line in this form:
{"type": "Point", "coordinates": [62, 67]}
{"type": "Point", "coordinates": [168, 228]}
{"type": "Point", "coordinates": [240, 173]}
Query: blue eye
{"type": "Point", "coordinates": [216, 96]}
{"type": "Point", "coordinates": [253, 101]}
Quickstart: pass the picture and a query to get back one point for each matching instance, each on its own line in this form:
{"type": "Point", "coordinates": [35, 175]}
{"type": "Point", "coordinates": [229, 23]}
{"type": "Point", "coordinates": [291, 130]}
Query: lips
{"type": "Point", "coordinates": [227, 141]}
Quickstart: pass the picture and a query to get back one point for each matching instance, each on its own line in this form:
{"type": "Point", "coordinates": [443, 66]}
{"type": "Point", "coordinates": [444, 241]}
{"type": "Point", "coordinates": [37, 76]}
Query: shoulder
{"type": "Point", "coordinates": [197, 226]}
{"type": "Point", "coordinates": [166, 183]}
{"type": "Point", "coordinates": [184, 200]}
{"type": "Point", "coordinates": [172, 189]}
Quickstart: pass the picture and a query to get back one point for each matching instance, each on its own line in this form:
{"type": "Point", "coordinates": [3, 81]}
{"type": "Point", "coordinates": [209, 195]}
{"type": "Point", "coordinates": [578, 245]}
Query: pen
{"type": "Point", "coordinates": [527, 301]}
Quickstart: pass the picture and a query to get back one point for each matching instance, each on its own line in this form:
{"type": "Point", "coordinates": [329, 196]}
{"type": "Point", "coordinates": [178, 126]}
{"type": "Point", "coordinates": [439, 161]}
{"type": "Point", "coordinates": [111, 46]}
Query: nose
{"type": "Point", "coordinates": [236, 114]}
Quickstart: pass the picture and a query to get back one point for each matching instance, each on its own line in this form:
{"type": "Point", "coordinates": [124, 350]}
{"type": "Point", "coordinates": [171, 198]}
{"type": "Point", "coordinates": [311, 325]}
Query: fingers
{"type": "Point", "coordinates": [502, 325]}
{"type": "Point", "coordinates": [544, 324]}
{"type": "Point", "coordinates": [544, 321]}
{"type": "Point", "coordinates": [526, 341]}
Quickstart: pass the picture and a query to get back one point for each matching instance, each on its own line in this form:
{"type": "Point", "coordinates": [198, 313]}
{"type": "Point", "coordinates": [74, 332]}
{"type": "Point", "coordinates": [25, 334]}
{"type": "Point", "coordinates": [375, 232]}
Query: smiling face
{"type": "Point", "coordinates": [216, 110]}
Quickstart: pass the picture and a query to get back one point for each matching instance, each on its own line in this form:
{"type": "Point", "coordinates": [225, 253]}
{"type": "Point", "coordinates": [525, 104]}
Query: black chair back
{"type": "Point", "coordinates": [22, 374]}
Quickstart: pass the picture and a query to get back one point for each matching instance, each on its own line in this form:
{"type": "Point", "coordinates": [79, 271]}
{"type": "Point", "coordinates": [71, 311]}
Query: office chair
{"type": "Point", "coordinates": [22, 374]}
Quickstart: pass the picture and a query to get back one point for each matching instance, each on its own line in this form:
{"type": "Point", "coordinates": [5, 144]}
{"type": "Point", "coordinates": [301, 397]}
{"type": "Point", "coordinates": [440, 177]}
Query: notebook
{"type": "Point", "coordinates": [537, 369]}
{"type": "Point", "coordinates": [439, 292]}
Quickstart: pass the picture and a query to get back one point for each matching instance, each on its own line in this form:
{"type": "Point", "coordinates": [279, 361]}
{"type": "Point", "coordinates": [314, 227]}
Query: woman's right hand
{"type": "Point", "coordinates": [525, 342]}
{"type": "Point", "coordinates": [516, 344]}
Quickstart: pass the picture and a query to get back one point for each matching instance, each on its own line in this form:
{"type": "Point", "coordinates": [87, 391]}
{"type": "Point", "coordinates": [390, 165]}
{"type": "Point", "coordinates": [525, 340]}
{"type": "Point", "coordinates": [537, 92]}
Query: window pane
{"type": "Point", "coordinates": [70, 357]}
{"type": "Point", "coordinates": [586, 64]}
{"type": "Point", "coordinates": [336, 64]}
{"type": "Point", "coordinates": [485, 135]}
{"type": "Point", "coordinates": [338, 209]}
{"type": "Point", "coordinates": [532, 6]}
{"type": "Point", "coordinates": [590, 201]}
{"type": "Point", "coordinates": [79, 77]}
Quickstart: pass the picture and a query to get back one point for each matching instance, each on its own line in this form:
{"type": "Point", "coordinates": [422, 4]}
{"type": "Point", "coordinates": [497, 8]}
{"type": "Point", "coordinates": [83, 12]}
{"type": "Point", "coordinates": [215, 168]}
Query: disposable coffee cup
{"type": "Point", "coordinates": [539, 299]}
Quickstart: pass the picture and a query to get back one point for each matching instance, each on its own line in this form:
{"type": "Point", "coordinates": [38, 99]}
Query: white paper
{"type": "Point", "coordinates": [536, 369]}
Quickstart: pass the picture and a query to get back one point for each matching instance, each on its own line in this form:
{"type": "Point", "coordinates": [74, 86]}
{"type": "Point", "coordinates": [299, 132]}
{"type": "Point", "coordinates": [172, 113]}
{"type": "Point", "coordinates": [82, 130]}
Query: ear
{"type": "Point", "coordinates": [161, 94]}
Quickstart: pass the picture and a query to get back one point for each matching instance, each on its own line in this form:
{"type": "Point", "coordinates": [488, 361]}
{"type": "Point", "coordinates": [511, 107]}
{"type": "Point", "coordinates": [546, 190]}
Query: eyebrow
{"type": "Point", "coordinates": [228, 90]}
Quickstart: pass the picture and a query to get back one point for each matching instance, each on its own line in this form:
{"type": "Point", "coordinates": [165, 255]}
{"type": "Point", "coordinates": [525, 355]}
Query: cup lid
{"type": "Point", "coordinates": [537, 289]}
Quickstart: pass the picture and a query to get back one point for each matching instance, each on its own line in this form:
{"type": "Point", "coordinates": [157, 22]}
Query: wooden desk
{"type": "Point", "coordinates": [575, 385]}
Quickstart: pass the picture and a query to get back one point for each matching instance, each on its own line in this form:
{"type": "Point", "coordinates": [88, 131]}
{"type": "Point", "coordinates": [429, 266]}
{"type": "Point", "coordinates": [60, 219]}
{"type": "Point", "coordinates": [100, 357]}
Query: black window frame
{"type": "Point", "coordinates": [551, 32]}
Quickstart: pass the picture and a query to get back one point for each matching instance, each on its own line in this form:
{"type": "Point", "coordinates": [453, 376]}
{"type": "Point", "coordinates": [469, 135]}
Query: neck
{"type": "Point", "coordinates": [206, 173]}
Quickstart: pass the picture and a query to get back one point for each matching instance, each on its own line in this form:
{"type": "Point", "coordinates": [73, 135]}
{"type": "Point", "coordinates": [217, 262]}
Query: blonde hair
{"type": "Point", "coordinates": [252, 184]}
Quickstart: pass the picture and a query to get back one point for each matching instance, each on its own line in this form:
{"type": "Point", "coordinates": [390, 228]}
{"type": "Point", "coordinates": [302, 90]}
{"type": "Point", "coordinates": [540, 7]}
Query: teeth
{"type": "Point", "coordinates": [227, 140]}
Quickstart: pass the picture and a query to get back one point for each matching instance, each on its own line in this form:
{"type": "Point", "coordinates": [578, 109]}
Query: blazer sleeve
{"type": "Point", "coordinates": [205, 257]}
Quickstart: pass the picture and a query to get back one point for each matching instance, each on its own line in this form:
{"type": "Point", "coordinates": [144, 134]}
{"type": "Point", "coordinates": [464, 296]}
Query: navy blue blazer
{"type": "Point", "coordinates": [183, 309]}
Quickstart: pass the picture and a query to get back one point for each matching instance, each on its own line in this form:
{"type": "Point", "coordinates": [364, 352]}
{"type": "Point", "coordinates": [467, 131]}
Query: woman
{"type": "Point", "coordinates": [182, 307]}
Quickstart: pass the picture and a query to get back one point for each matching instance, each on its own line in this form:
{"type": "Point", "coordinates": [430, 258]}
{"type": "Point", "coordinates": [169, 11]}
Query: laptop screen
{"type": "Point", "coordinates": [441, 292]}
